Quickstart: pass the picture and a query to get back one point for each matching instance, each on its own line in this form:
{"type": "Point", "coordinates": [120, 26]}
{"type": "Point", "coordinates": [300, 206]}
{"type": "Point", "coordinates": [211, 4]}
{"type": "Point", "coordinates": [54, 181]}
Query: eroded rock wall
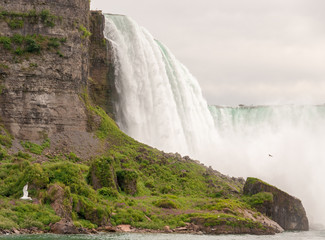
{"type": "Point", "coordinates": [101, 69]}
{"type": "Point", "coordinates": [41, 89]}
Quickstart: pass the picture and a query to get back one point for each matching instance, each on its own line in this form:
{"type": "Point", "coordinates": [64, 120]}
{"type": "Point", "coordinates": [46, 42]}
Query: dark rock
{"type": "Point", "coordinates": [64, 227]}
{"type": "Point", "coordinates": [101, 66]}
{"type": "Point", "coordinates": [127, 181]}
{"type": "Point", "coordinates": [286, 210]}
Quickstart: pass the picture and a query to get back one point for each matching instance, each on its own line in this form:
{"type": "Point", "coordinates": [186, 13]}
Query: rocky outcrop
{"type": "Point", "coordinates": [61, 201]}
{"type": "Point", "coordinates": [286, 210]}
{"type": "Point", "coordinates": [64, 227]}
{"type": "Point", "coordinates": [101, 66]}
{"type": "Point", "coordinates": [127, 181]}
{"type": "Point", "coordinates": [43, 66]}
{"type": "Point", "coordinates": [102, 174]}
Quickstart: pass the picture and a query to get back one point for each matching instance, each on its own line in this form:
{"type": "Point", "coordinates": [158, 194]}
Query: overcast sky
{"type": "Point", "coordinates": [240, 51]}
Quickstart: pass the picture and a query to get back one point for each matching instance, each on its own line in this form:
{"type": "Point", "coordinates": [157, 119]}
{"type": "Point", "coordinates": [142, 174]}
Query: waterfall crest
{"type": "Point", "coordinates": [161, 104]}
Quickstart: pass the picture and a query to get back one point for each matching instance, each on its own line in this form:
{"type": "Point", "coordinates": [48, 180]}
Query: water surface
{"type": "Point", "coordinates": [311, 235]}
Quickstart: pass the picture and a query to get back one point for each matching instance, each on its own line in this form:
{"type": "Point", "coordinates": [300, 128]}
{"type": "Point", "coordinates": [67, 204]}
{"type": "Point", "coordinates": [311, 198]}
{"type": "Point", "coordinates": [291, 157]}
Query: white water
{"type": "Point", "coordinates": [161, 104]}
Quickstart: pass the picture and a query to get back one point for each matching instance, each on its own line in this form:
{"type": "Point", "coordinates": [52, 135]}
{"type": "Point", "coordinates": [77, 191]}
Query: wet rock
{"type": "Point", "coordinates": [64, 227]}
{"type": "Point", "coordinates": [285, 209]}
{"type": "Point", "coordinates": [124, 228]}
{"type": "Point", "coordinates": [167, 229]}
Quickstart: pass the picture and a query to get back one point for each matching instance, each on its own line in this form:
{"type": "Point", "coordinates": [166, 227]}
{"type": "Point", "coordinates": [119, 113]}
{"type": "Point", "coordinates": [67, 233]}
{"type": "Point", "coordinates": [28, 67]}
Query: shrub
{"type": "Point", "coordinates": [18, 39]}
{"type": "Point", "coordinates": [32, 46]}
{"type": "Point", "coordinates": [53, 43]}
{"type": "Point", "coordinates": [47, 18]}
{"type": "Point", "coordinates": [6, 42]}
{"type": "Point", "coordinates": [35, 148]}
{"type": "Point", "coordinates": [101, 173]}
{"type": "Point", "coordinates": [165, 203]}
{"type": "Point", "coordinates": [84, 31]}
{"type": "Point", "coordinates": [19, 51]}
{"type": "Point", "coordinates": [108, 192]}
{"type": "Point", "coordinates": [259, 198]}
{"type": "Point", "coordinates": [16, 23]}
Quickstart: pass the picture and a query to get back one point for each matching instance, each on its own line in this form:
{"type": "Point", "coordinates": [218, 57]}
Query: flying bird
{"type": "Point", "coordinates": [270, 155]}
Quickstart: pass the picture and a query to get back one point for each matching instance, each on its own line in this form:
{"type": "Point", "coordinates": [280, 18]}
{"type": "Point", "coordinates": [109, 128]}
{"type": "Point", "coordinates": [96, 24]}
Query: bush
{"type": "Point", "coordinates": [165, 203]}
{"type": "Point", "coordinates": [259, 198]}
{"type": "Point", "coordinates": [84, 31]}
{"type": "Point", "coordinates": [16, 23]}
{"type": "Point", "coordinates": [108, 192]}
{"type": "Point", "coordinates": [47, 18]}
{"type": "Point", "coordinates": [32, 46]}
{"type": "Point", "coordinates": [101, 173]}
{"type": "Point", "coordinates": [35, 148]}
{"type": "Point", "coordinates": [18, 39]}
{"type": "Point", "coordinates": [6, 42]}
{"type": "Point", "coordinates": [53, 43]}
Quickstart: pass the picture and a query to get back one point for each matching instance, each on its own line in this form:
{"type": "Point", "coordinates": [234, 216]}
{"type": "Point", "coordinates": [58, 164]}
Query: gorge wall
{"type": "Point", "coordinates": [101, 65]}
{"type": "Point", "coordinates": [43, 66]}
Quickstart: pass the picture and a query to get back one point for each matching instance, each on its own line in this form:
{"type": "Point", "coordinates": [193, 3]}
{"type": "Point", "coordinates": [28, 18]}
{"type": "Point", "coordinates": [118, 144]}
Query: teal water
{"type": "Point", "coordinates": [311, 235]}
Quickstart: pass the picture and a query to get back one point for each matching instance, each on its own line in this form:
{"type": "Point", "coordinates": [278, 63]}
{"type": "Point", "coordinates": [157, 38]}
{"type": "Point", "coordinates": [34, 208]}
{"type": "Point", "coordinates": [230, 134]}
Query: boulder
{"type": "Point", "coordinates": [64, 227]}
{"type": "Point", "coordinates": [284, 209]}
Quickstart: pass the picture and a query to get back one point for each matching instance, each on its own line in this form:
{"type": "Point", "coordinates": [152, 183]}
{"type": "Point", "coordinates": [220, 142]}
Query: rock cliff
{"type": "Point", "coordinates": [284, 209]}
{"type": "Point", "coordinates": [43, 66]}
{"type": "Point", "coordinates": [101, 65]}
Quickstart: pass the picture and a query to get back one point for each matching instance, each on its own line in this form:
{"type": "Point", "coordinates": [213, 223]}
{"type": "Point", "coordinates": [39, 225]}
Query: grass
{"type": "Point", "coordinates": [22, 214]}
{"type": "Point", "coordinates": [170, 190]}
{"type": "Point", "coordinates": [15, 20]}
{"type": "Point", "coordinates": [36, 148]}
{"type": "Point", "coordinates": [31, 44]}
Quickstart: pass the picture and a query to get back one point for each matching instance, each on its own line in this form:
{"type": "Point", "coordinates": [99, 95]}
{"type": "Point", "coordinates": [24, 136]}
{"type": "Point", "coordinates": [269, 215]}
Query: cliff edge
{"type": "Point", "coordinates": [284, 209]}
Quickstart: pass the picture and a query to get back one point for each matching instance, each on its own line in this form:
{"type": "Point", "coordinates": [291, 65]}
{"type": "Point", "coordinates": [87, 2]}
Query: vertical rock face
{"type": "Point", "coordinates": [43, 76]}
{"type": "Point", "coordinates": [101, 69]}
{"type": "Point", "coordinates": [286, 210]}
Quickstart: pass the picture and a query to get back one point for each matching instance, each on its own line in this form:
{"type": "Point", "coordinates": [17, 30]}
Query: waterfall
{"type": "Point", "coordinates": [161, 104]}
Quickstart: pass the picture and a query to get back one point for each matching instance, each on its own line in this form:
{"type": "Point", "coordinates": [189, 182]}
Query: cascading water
{"type": "Point", "coordinates": [161, 104]}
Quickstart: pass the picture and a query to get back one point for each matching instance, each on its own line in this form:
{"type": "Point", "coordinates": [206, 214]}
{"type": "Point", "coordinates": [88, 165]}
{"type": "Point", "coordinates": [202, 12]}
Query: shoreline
{"type": "Point", "coordinates": [189, 229]}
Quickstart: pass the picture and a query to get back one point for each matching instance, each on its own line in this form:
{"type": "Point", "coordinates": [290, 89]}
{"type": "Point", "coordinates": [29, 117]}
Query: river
{"type": "Point", "coordinates": [310, 235]}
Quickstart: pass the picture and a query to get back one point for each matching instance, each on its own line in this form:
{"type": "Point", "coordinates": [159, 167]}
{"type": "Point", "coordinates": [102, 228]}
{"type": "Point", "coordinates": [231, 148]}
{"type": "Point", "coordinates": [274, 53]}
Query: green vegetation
{"type": "Point", "coordinates": [259, 199]}
{"type": "Point", "coordinates": [3, 66]}
{"type": "Point", "coordinates": [16, 23]}
{"type": "Point", "coordinates": [131, 183]}
{"type": "Point", "coordinates": [84, 31]}
{"type": "Point", "coordinates": [35, 148]}
{"type": "Point", "coordinates": [16, 20]}
{"type": "Point", "coordinates": [31, 44]}
{"type": "Point", "coordinates": [19, 214]}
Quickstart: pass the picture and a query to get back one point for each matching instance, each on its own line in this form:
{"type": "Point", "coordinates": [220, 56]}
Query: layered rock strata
{"type": "Point", "coordinates": [44, 66]}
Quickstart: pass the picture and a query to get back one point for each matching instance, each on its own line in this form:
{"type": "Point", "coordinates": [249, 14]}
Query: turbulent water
{"type": "Point", "coordinates": [312, 235]}
{"type": "Point", "coordinates": [161, 104]}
